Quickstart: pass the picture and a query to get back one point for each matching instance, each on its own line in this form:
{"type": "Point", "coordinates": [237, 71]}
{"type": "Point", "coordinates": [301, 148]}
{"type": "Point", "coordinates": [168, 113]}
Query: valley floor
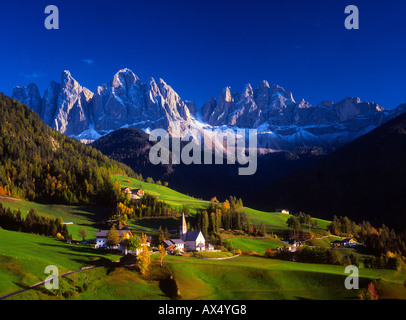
{"type": "Point", "coordinates": [23, 258]}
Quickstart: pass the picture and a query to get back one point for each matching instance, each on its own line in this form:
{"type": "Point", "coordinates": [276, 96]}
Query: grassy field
{"type": "Point", "coordinates": [80, 216]}
{"type": "Point", "coordinates": [259, 245]}
{"type": "Point", "coordinates": [172, 197]}
{"type": "Point", "coordinates": [23, 258]}
{"type": "Point", "coordinates": [247, 277]}
{"type": "Point", "coordinates": [213, 255]}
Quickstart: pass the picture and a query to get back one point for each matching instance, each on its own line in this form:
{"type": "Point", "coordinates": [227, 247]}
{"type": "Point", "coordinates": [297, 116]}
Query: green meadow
{"type": "Point", "coordinates": [172, 197]}
{"type": "Point", "coordinates": [23, 258]}
{"type": "Point", "coordinates": [259, 245]}
{"type": "Point", "coordinates": [247, 277]}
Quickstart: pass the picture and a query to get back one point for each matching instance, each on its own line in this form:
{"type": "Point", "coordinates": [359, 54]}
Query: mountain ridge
{"type": "Point", "coordinates": [281, 122]}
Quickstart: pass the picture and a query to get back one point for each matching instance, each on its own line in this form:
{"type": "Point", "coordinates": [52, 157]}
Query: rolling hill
{"type": "Point", "coordinates": [38, 163]}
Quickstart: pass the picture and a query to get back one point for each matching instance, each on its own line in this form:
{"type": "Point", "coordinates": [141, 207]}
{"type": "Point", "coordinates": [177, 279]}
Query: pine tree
{"type": "Point", "coordinates": [161, 236]}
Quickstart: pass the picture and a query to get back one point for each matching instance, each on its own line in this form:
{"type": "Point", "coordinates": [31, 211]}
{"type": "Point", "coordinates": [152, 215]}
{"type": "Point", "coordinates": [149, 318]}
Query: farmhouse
{"type": "Point", "coordinates": [347, 242]}
{"type": "Point", "coordinates": [135, 194]}
{"type": "Point", "coordinates": [282, 211]}
{"type": "Point", "coordinates": [101, 239]}
{"type": "Point", "coordinates": [174, 244]}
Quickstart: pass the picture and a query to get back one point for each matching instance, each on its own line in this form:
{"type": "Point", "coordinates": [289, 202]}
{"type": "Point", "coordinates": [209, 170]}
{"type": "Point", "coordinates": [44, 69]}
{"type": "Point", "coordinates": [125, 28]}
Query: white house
{"type": "Point", "coordinates": [101, 239]}
{"type": "Point", "coordinates": [174, 244]}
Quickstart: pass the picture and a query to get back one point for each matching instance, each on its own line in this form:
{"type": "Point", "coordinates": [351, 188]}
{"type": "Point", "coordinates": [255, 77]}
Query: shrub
{"type": "Point", "coordinates": [269, 253]}
{"type": "Point", "coordinates": [251, 253]}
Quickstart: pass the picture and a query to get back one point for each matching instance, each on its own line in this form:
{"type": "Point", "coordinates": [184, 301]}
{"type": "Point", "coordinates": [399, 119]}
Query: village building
{"type": "Point", "coordinates": [282, 211]}
{"type": "Point", "coordinates": [174, 244]}
{"type": "Point", "coordinates": [134, 194]}
{"type": "Point", "coordinates": [188, 240]}
{"type": "Point", "coordinates": [347, 242]}
{"type": "Point", "coordinates": [101, 239]}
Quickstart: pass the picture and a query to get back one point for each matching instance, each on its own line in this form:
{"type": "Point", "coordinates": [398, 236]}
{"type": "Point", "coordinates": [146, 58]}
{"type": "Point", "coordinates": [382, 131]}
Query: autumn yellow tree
{"type": "Point", "coordinates": [162, 253]}
{"type": "Point", "coordinates": [143, 258]}
{"type": "Point", "coordinates": [226, 205]}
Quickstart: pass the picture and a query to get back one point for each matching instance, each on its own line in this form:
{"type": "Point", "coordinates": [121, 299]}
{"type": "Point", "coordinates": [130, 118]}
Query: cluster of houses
{"type": "Point", "coordinates": [188, 240]}
{"type": "Point", "coordinates": [294, 245]}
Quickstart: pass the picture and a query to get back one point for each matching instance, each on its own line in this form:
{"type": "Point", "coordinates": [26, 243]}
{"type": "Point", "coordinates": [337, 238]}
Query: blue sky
{"type": "Point", "coordinates": [199, 47]}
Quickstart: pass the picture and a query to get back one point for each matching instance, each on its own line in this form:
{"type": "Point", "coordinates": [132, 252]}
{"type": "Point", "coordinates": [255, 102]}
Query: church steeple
{"type": "Point", "coordinates": [183, 228]}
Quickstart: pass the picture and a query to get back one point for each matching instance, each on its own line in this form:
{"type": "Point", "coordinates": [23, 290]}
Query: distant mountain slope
{"type": "Point", "coordinates": [365, 179]}
{"type": "Point", "coordinates": [131, 146]}
{"type": "Point", "coordinates": [41, 164]}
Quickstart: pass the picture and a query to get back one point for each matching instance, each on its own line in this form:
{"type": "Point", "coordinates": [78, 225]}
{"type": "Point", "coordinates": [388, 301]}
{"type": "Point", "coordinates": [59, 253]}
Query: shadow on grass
{"type": "Point", "coordinates": [88, 255]}
{"type": "Point", "coordinates": [92, 213]}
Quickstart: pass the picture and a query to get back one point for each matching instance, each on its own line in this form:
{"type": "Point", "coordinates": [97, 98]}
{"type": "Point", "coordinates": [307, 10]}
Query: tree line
{"type": "Point", "coordinates": [146, 207]}
{"type": "Point", "coordinates": [32, 223]}
{"type": "Point", "coordinates": [228, 216]}
{"type": "Point", "coordinates": [318, 255]}
{"type": "Point", "coordinates": [379, 241]}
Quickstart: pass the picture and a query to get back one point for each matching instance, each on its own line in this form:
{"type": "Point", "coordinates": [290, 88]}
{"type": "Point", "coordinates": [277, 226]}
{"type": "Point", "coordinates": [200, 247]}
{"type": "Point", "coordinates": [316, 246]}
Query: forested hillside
{"type": "Point", "coordinates": [40, 164]}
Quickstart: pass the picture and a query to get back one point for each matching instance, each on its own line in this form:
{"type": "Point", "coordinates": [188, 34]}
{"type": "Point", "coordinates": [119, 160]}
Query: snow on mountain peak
{"type": "Point", "coordinates": [126, 102]}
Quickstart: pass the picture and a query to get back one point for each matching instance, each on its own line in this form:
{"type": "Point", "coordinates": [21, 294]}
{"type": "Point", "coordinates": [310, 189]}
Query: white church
{"type": "Point", "coordinates": [188, 240]}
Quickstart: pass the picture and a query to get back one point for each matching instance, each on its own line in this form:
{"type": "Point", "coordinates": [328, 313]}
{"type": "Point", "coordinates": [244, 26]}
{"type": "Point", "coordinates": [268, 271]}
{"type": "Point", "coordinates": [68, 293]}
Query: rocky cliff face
{"type": "Point", "coordinates": [30, 96]}
{"type": "Point", "coordinates": [252, 108]}
{"type": "Point", "coordinates": [283, 123]}
{"type": "Point", "coordinates": [125, 101]}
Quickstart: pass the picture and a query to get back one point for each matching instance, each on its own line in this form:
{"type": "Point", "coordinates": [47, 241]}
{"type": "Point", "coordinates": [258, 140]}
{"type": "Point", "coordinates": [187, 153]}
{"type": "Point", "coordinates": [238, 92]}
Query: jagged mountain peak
{"type": "Point", "coordinates": [264, 84]}
{"type": "Point", "coordinates": [279, 91]}
{"type": "Point", "coordinates": [124, 78]}
{"type": "Point", "coordinates": [123, 102]}
{"type": "Point", "coordinates": [66, 73]}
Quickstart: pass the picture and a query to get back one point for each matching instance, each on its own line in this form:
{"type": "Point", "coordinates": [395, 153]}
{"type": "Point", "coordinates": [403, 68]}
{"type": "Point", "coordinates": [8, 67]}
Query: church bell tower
{"type": "Point", "coordinates": [183, 228]}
